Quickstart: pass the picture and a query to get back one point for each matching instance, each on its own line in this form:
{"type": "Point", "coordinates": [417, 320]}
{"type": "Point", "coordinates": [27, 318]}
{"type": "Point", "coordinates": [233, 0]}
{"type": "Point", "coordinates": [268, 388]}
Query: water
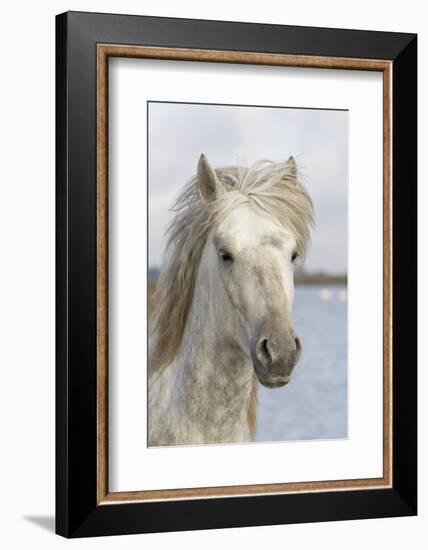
{"type": "Point", "coordinates": [314, 403]}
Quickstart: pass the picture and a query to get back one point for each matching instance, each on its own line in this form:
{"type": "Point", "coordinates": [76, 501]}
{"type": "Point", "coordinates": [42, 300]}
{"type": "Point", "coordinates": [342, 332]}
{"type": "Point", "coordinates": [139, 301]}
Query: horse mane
{"type": "Point", "coordinates": [252, 407]}
{"type": "Point", "coordinates": [269, 187]}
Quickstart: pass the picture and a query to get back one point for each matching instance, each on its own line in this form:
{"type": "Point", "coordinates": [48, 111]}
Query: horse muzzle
{"type": "Point", "coordinates": [274, 358]}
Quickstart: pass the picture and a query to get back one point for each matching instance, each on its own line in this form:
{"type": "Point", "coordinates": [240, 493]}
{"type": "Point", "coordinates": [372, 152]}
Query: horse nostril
{"type": "Point", "coordinates": [264, 349]}
{"type": "Point", "coordinates": [270, 355]}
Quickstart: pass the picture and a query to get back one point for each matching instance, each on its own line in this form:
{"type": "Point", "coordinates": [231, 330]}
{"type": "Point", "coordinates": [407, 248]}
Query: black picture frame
{"type": "Point", "coordinates": [78, 513]}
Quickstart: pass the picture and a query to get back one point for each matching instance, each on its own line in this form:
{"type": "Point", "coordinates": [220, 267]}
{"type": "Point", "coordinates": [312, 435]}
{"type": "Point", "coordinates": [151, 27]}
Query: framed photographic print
{"type": "Point", "coordinates": [236, 274]}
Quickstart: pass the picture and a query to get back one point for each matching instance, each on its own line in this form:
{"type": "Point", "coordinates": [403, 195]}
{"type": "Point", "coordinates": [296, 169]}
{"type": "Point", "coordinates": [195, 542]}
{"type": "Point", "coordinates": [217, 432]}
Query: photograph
{"type": "Point", "coordinates": [211, 297]}
{"type": "Point", "coordinates": [247, 273]}
{"type": "Point", "coordinates": [236, 274]}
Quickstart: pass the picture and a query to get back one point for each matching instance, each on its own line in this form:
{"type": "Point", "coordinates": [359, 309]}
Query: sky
{"type": "Point", "coordinates": [230, 135]}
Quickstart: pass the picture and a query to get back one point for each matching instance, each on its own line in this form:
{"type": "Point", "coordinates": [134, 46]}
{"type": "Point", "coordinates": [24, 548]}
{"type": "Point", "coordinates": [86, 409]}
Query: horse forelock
{"type": "Point", "coordinates": [268, 187]}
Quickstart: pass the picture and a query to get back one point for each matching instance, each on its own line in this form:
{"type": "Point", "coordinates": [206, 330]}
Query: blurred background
{"type": "Point", "coordinates": [314, 404]}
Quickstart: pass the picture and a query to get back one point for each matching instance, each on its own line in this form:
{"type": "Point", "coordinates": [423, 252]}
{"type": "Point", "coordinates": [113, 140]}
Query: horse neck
{"type": "Point", "coordinates": [213, 369]}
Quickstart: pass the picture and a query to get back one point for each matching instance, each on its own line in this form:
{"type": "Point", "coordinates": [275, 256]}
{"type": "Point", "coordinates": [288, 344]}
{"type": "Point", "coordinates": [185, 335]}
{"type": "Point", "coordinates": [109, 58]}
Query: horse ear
{"type": "Point", "coordinates": [209, 185]}
{"type": "Point", "coordinates": [292, 169]}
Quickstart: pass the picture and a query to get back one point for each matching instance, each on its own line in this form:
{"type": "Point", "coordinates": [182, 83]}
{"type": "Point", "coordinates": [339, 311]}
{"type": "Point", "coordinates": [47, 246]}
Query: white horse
{"type": "Point", "coordinates": [223, 319]}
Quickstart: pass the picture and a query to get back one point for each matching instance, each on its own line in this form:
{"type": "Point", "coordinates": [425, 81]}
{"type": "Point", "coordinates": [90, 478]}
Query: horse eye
{"type": "Point", "coordinates": [294, 257]}
{"type": "Point", "coordinates": [226, 256]}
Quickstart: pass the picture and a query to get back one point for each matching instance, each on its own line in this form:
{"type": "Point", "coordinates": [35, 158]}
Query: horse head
{"type": "Point", "coordinates": [260, 222]}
